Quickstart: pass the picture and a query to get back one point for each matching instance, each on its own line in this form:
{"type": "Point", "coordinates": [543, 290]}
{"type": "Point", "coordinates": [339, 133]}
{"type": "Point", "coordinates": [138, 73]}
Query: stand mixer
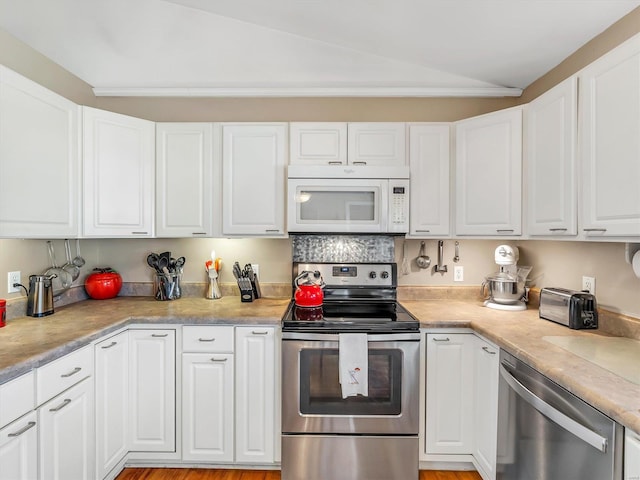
{"type": "Point", "coordinates": [507, 286]}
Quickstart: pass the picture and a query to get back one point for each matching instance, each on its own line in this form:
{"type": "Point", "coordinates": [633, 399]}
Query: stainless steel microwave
{"type": "Point", "coordinates": [348, 199]}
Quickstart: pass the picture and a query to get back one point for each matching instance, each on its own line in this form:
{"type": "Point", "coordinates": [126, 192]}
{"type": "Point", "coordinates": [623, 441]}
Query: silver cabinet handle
{"type": "Point", "coordinates": [423, 231]}
{"type": "Point", "coordinates": [359, 163]}
{"type": "Point", "coordinates": [255, 332]}
{"type": "Point", "coordinates": [486, 349]}
{"type": "Point", "coordinates": [505, 230]}
{"type": "Point", "coordinates": [594, 229]}
{"type": "Point", "coordinates": [592, 438]}
{"type": "Point", "coordinates": [557, 229]}
{"type": "Point", "coordinates": [207, 339]}
{"type": "Point", "coordinates": [214, 359]}
{"type": "Point", "coordinates": [72, 372]}
{"type": "Point", "coordinates": [159, 335]}
{"type": "Point", "coordinates": [199, 233]}
{"type": "Point", "coordinates": [112, 344]}
{"type": "Point", "coordinates": [139, 233]}
{"type": "Point", "coordinates": [272, 230]}
{"type": "Point", "coordinates": [22, 430]}
{"type": "Point", "coordinates": [333, 162]}
{"type": "Point", "coordinates": [441, 339]}
{"type": "Point", "coordinates": [66, 402]}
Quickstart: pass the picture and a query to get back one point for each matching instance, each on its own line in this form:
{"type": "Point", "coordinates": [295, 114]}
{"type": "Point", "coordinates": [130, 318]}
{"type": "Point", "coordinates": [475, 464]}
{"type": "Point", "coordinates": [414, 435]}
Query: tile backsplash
{"type": "Point", "coordinates": [343, 248]}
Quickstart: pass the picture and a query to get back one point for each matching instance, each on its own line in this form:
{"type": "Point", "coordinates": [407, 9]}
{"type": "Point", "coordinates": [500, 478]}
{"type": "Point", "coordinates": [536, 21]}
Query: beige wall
{"type": "Point", "coordinates": [555, 263]}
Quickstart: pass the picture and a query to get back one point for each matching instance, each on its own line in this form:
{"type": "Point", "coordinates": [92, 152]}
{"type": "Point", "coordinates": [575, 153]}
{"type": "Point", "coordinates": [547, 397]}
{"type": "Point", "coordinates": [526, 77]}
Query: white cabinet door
{"type": "Point", "coordinates": [486, 407]}
{"type": "Point", "coordinates": [318, 143]}
{"type": "Point", "coordinates": [254, 157]}
{"type": "Point", "coordinates": [67, 434]}
{"type": "Point", "coordinates": [255, 395]}
{"type": "Point", "coordinates": [39, 161]}
{"type": "Point", "coordinates": [118, 161]}
{"type": "Point", "coordinates": [377, 144]}
{"type": "Point", "coordinates": [631, 455]}
{"type": "Point", "coordinates": [551, 177]}
{"type": "Point", "coordinates": [610, 150]}
{"type": "Point", "coordinates": [429, 163]}
{"type": "Point", "coordinates": [184, 179]}
{"type": "Point", "coordinates": [112, 402]}
{"type": "Point", "coordinates": [19, 449]}
{"type": "Point", "coordinates": [449, 410]}
{"type": "Point", "coordinates": [152, 386]}
{"type": "Point", "coordinates": [489, 174]}
{"type": "Point", "coordinates": [207, 407]}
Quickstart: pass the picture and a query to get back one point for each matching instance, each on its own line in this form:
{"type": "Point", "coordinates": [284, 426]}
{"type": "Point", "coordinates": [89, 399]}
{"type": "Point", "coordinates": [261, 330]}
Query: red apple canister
{"type": "Point", "coordinates": [3, 313]}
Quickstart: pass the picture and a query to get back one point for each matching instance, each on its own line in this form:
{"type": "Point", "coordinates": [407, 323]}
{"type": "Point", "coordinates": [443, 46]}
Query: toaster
{"type": "Point", "coordinates": [571, 308]}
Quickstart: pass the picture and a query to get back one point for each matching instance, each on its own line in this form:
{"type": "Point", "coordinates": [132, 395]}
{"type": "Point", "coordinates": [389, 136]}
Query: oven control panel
{"type": "Point", "coordinates": [353, 274]}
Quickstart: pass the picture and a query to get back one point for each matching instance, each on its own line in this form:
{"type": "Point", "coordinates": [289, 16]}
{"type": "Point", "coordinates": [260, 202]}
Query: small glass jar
{"type": "Point", "coordinates": [167, 286]}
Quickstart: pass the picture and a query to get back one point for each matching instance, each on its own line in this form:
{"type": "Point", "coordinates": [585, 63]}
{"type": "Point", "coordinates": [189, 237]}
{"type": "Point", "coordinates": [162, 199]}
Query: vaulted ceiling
{"type": "Point", "coordinates": [309, 47]}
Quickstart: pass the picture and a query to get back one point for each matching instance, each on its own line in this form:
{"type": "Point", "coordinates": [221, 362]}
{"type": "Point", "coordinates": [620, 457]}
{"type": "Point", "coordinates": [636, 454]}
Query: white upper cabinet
{"type": "Point", "coordinates": [39, 161]}
{"type": "Point", "coordinates": [377, 144]}
{"type": "Point", "coordinates": [318, 143]}
{"type": "Point", "coordinates": [489, 174]}
{"type": "Point", "coordinates": [254, 158]}
{"type": "Point", "coordinates": [610, 146]}
{"type": "Point", "coordinates": [118, 162]}
{"type": "Point", "coordinates": [429, 164]}
{"type": "Point", "coordinates": [551, 129]}
{"type": "Point", "coordinates": [184, 179]}
{"type": "Point", "coordinates": [338, 143]}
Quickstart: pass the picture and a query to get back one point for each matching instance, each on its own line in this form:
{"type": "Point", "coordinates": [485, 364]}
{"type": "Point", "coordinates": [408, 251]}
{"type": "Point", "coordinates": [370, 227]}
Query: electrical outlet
{"type": "Point", "coordinates": [13, 277]}
{"type": "Point", "coordinates": [458, 273]}
{"type": "Point", "coordinates": [589, 284]}
{"type": "Point", "coordinates": [256, 269]}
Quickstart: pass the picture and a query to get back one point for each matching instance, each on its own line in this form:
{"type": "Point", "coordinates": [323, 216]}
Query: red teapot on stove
{"type": "Point", "coordinates": [309, 287]}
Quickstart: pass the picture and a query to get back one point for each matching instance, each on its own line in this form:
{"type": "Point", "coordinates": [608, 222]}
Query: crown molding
{"type": "Point", "coordinates": [307, 92]}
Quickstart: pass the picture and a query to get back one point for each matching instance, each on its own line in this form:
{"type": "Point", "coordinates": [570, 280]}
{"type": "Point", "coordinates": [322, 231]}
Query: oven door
{"type": "Point", "coordinates": [311, 395]}
{"type": "Point", "coordinates": [337, 205]}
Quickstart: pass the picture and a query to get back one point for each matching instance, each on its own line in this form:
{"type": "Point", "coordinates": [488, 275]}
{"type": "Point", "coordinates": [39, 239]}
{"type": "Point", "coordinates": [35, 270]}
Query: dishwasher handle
{"type": "Point", "coordinates": [583, 433]}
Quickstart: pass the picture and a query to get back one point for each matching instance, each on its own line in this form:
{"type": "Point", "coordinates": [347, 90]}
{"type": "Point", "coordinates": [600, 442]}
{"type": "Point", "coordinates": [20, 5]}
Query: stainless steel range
{"type": "Point", "coordinates": [371, 435]}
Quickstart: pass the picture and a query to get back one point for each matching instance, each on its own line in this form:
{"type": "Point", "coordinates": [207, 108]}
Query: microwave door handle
{"type": "Point", "coordinates": [556, 416]}
{"type": "Point", "coordinates": [384, 200]}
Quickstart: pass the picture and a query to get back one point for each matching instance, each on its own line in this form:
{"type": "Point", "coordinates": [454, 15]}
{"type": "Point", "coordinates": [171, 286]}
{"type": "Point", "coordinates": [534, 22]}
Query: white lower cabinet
{"type": "Point", "coordinates": [207, 407]}
{"type": "Point", "coordinates": [67, 434]}
{"type": "Point", "coordinates": [19, 449]}
{"type": "Point", "coordinates": [255, 377]}
{"type": "Point", "coordinates": [152, 390]}
{"type": "Point", "coordinates": [487, 362]}
{"type": "Point", "coordinates": [112, 402]}
{"type": "Point", "coordinates": [449, 396]}
{"type": "Point", "coordinates": [207, 393]}
{"type": "Point", "coordinates": [631, 455]}
{"type": "Point", "coordinates": [461, 395]}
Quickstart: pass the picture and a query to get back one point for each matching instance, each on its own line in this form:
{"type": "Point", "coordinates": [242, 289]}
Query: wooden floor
{"type": "Point", "coordinates": [205, 474]}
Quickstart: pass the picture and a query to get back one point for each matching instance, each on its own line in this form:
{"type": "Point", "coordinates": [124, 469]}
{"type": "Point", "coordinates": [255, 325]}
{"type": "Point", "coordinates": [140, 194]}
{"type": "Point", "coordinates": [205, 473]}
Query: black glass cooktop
{"type": "Point", "coordinates": [349, 316]}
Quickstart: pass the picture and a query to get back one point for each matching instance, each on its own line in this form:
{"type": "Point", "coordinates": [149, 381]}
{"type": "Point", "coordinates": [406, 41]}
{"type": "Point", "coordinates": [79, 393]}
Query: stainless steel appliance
{"type": "Point", "coordinates": [573, 309]}
{"type": "Point", "coordinates": [547, 433]}
{"type": "Point", "coordinates": [349, 199]}
{"type": "Point", "coordinates": [40, 297]}
{"type": "Point", "coordinates": [326, 436]}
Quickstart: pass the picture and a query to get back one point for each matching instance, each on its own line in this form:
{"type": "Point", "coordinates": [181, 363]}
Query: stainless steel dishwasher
{"type": "Point", "coordinates": [547, 433]}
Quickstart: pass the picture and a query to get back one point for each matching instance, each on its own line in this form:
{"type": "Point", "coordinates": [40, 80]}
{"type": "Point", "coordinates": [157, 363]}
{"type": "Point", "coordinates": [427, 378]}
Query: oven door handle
{"type": "Point", "coordinates": [569, 424]}
{"type": "Point", "coordinates": [328, 337]}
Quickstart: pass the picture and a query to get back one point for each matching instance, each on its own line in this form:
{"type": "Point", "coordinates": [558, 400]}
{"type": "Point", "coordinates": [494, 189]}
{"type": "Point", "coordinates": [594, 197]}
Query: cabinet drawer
{"type": "Point", "coordinates": [17, 397]}
{"type": "Point", "coordinates": [207, 338]}
{"type": "Point", "coordinates": [57, 376]}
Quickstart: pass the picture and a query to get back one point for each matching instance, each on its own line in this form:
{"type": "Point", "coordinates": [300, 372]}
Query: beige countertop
{"type": "Point", "coordinates": [26, 342]}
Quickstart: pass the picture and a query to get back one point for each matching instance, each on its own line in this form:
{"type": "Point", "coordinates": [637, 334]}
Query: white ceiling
{"type": "Point", "coordinates": [309, 47]}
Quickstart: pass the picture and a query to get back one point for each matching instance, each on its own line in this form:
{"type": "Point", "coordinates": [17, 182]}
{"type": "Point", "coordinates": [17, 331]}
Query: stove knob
{"type": "Point", "coordinates": [372, 275]}
{"type": "Point", "coordinates": [384, 274]}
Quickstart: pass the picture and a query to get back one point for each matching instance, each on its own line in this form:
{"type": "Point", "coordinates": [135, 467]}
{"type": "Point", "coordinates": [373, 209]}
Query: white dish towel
{"type": "Point", "coordinates": [354, 364]}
